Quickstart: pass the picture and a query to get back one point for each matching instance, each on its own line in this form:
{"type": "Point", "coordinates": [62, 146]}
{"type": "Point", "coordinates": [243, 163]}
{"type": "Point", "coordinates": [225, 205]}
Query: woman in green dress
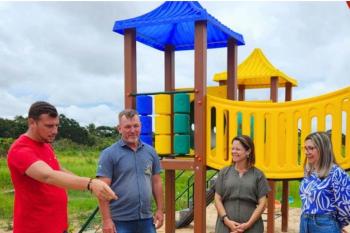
{"type": "Point", "coordinates": [240, 191]}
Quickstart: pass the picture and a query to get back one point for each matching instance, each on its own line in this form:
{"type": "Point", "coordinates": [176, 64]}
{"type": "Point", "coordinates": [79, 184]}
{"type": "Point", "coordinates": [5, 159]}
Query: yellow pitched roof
{"type": "Point", "coordinates": [256, 72]}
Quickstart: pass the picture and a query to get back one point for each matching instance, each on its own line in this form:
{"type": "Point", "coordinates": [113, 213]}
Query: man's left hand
{"type": "Point", "coordinates": [158, 219]}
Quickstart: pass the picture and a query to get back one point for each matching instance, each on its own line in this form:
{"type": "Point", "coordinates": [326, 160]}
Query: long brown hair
{"type": "Point", "coordinates": [248, 144]}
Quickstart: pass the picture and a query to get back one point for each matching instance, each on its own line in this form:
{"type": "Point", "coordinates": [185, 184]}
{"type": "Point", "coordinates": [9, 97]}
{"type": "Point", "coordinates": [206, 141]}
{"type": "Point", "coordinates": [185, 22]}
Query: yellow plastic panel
{"type": "Point", "coordinates": [163, 144]}
{"type": "Point", "coordinates": [346, 127]}
{"type": "Point", "coordinates": [162, 125]}
{"type": "Point", "coordinates": [162, 104]}
{"type": "Point", "coordinates": [279, 131]}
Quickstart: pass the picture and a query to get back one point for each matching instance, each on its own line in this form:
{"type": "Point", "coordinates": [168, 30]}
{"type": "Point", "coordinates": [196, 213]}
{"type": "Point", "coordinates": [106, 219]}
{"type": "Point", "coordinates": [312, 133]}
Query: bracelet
{"type": "Point", "coordinates": [223, 217]}
{"type": "Point", "coordinates": [89, 184]}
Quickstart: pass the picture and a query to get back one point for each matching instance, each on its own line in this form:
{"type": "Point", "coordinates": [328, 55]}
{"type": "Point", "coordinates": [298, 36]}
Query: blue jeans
{"type": "Point", "coordinates": [136, 226]}
{"type": "Point", "coordinates": [319, 223]}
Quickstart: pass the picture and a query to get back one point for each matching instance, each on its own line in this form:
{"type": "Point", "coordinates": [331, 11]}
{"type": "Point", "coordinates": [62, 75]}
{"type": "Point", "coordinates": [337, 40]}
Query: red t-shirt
{"type": "Point", "coordinates": [39, 207]}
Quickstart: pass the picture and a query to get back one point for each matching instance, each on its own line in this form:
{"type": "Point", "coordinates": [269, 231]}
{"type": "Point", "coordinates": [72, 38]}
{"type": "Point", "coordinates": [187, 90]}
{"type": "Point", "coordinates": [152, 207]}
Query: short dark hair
{"type": "Point", "coordinates": [41, 107]}
{"type": "Point", "coordinates": [128, 113]}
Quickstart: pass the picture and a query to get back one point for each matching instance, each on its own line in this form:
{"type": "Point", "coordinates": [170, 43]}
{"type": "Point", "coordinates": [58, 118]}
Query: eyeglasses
{"type": "Point", "coordinates": [309, 148]}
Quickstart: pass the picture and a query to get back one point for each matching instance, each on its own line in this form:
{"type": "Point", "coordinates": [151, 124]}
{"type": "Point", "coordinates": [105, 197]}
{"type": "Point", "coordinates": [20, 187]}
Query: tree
{"type": "Point", "coordinates": [13, 128]}
{"type": "Point", "coordinates": [70, 129]}
{"type": "Point", "coordinates": [106, 131]}
{"type": "Point", "coordinates": [91, 128]}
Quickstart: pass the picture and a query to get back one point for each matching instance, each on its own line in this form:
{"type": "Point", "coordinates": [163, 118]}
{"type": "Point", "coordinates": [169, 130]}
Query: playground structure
{"type": "Point", "coordinates": [278, 128]}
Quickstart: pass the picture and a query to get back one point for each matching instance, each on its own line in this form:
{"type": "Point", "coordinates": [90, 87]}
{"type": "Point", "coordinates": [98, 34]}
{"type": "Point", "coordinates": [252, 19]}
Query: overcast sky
{"type": "Point", "coordinates": [66, 52]}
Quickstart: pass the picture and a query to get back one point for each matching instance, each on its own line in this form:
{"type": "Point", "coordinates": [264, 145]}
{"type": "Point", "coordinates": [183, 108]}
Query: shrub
{"type": "Point", "coordinates": [65, 144]}
{"type": "Point", "coordinates": [5, 144]}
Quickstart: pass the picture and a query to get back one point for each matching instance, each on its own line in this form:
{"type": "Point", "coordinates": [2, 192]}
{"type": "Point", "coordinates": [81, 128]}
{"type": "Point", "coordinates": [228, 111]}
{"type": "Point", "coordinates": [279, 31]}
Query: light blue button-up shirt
{"type": "Point", "coordinates": [131, 179]}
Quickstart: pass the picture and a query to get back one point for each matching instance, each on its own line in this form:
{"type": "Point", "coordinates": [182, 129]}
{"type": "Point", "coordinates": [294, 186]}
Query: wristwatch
{"type": "Point", "coordinates": [223, 217]}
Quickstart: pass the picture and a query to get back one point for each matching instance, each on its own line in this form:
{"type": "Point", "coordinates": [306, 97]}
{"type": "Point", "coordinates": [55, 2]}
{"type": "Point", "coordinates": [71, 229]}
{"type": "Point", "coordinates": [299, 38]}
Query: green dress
{"type": "Point", "coordinates": [240, 196]}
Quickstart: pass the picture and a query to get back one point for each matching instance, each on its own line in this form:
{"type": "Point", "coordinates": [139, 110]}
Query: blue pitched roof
{"type": "Point", "coordinates": [172, 23]}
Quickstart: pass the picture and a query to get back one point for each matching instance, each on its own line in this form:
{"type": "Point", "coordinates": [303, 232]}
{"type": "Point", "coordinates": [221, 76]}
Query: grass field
{"type": "Point", "coordinates": [81, 204]}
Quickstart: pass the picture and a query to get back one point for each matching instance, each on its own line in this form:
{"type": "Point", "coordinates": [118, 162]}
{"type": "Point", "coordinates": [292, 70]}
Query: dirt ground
{"type": "Point", "coordinates": [294, 215]}
{"type": "Point", "coordinates": [293, 222]}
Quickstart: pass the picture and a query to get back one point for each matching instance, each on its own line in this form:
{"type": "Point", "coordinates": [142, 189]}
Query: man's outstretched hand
{"type": "Point", "coordinates": [102, 191]}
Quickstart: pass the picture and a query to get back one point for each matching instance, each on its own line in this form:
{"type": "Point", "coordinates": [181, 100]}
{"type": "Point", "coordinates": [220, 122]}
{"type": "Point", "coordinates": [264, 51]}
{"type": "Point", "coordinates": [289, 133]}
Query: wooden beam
{"type": "Point", "coordinates": [177, 164]}
{"type": "Point", "coordinates": [169, 68]}
{"type": "Point", "coordinates": [241, 92]}
{"type": "Point", "coordinates": [231, 69]}
{"type": "Point", "coordinates": [170, 201]}
{"type": "Point", "coordinates": [288, 95]}
{"type": "Point", "coordinates": [222, 82]}
{"type": "Point", "coordinates": [271, 208]}
{"type": "Point", "coordinates": [285, 206]}
{"type": "Point", "coordinates": [285, 184]}
{"type": "Point", "coordinates": [272, 194]}
{"type": "Point", "coordinates": [169, 85]}
{"type": "Point", "coordinates": [200, 75]}
{"type": "Point", "coordinates": [274, 89]}
{"type": "Point", "coordinates": [130, 71]}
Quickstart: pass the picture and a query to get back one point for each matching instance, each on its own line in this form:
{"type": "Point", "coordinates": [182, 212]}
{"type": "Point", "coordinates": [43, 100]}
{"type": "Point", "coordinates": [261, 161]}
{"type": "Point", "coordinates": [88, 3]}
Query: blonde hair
{"type": "Point", "coordinates": [324, 146]}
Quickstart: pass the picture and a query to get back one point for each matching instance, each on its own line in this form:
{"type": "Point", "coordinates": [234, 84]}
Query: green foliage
{"type": "Point", "coordinates": [5, 179]}
{"type": "Point", "coordinates": [184, 186]}
{"type": "Point", "coordinates": [69, 128]}
{"type": "Point", "coordinates": [6, 196]}
{"type": "Point", "coordinates": [101, 131]}
{"type": "Point", "coordinates": [103, 142]}
{"type": "Point", "coordinates": [82, 162]}
{"type": "Point", "coordinates": [70, 134]}
{"type": "Point", "coordinates": [5, 144]}
{"type": "Point", "coordinates": [293, 193]}
{"type": "Point", "coordinates": [13, 128]}
{"type": "Point", "coordinates": [102, 136]}
{"type": "Point", "coordinates": [64, 144]}
{"type": "Point", "coordinates": [6, 205]}
{"type": "Point", "coordinates": [67, 145]}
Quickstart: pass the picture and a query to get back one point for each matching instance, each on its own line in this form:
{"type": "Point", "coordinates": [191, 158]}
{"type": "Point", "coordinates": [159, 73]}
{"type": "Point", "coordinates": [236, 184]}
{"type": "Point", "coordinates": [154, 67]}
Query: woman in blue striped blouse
{"type": "Point", "coordinates": [325, 189]}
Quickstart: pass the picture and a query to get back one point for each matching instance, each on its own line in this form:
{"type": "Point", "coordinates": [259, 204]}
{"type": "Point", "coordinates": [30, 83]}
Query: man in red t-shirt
{"type": "Point", "coordinates": [40, 183]}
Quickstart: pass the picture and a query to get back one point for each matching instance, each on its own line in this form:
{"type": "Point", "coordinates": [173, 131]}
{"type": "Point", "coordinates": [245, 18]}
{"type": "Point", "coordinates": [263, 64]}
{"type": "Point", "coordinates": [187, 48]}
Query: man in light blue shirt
{"type": "Point", "coordinates": [132, 169]}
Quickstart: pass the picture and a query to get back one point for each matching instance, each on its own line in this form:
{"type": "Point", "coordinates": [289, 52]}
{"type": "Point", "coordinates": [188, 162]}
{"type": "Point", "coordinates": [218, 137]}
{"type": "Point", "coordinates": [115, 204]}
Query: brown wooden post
{"type": "Point", "coordinates": [272, 193]}
{"type": "Point", "coordinates": [222, 82]}
{"type": "Point", "coordinates": [130, 71]}
{"type": "Point", "coordinates": [274, 89]}
{"type": "Point", "coordinates": [231, 69]}
{"type": "Point", "coordinates": [271, 208]}
{"type": "Point", "coordinates": [285, 185]}
{"type": "Point", "coordinates": [200, 134]}
{"type": "Point", "coordinates": [241, 92]}
{"type": "Point", "coordinates": [169, 85]}
{"type": "Point", "coordinates": [170, 201]}
{"type": "Point", "coordinates": [288, 95]}
{"type": "Point", "coordinates": [231, 82]}
{"type": "Point", "coordinates": [285, 206]}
